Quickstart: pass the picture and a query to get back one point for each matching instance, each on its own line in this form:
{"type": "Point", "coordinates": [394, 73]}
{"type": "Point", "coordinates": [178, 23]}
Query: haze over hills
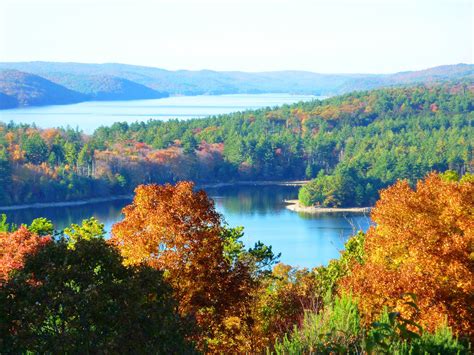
{"type": "Point", "coordinates": [105, 87]}
{"type": "Point", "coordinates": [24, 89]}
{"type": "Point", "coordinates": [73, 82]}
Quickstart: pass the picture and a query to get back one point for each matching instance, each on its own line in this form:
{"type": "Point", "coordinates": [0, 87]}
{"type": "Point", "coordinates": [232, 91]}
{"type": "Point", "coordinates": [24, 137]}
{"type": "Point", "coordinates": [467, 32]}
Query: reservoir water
{"type": "Point", "coordinates": [303, 240]}
{"type": "Point", "coordinates": [90, 115]}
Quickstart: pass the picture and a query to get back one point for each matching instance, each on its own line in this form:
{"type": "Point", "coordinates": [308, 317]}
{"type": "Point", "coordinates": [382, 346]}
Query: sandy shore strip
{"type": "Point", "coordinates": [294, 205]}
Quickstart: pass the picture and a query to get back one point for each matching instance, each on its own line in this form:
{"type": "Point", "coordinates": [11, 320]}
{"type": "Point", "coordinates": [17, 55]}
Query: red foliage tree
{"type": "Point", "coordinates": [15, 246]}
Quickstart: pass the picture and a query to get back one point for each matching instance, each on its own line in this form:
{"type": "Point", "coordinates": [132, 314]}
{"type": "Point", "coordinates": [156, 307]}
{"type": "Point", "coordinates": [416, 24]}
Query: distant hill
{"type": "Point", "coordinates": [105, 87]}
{"type": "Point", "coordinates": [18, 89]}
{"type": "Point", "coordinates": [7, 101]}
{"type": "Point", "coordinates": [114, 81]}
{"type": "Point", "coordinates": [25, 89]}
{"type": "Point", "coordinates": [444, 72]}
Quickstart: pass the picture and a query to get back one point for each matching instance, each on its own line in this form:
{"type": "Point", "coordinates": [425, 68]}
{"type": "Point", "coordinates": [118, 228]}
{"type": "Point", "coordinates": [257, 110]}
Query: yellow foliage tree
{"type": "Point", "coordinates": [422, 244]}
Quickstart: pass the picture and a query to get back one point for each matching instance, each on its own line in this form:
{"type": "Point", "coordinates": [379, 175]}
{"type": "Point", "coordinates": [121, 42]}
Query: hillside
{"type": "Point", "coordinates": [101, 80]}
{"type": "Point", "coordinates": [355, 144]}
{"type": "Point", "coordinates": [24, 89]}
{"type": "Point", "coordinates": [19, 89]}
{"type": "Point", "coordinates": [443, 72]}
{"type": "Point", "coordinates": [7, 101]}
{"type": "Point", "coordinates": [105, 87]}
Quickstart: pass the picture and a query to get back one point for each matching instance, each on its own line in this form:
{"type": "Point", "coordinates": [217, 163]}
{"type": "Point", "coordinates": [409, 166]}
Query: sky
{"type": "Point", "coordinates": [326, 36]}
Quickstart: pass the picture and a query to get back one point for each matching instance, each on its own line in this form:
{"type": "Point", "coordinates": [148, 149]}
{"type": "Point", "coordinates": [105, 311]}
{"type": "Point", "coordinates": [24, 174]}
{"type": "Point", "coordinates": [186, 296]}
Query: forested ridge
{"type": "Point", "coordinates": [354, 145]}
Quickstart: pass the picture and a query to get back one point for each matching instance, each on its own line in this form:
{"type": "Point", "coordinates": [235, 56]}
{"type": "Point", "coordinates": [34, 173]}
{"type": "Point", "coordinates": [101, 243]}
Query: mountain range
{"type": "Point", "coordinates": [53, 83]}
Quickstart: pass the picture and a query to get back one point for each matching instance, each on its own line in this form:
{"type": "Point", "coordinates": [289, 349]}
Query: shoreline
{"type": "Point", "coordinates": [65, 203]}
{"type": "Point", "coordinates": [92, 200]}
{"type": "Point", "coordinates": [294, 205]}
{"type": "Point", "coordinates": [254, 183]}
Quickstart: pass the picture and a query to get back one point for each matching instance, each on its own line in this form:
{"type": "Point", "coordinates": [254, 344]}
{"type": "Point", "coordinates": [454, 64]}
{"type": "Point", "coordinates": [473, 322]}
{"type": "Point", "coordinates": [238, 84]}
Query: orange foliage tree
{"type": "Point", "coordinates": [177, 230]}
{"type": "Point", "coordinates": [15, 246]}
{"type": "Point", "coordinates": [422, 244]}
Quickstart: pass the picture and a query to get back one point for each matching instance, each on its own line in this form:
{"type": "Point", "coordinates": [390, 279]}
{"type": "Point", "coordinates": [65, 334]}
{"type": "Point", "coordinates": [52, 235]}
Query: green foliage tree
{"type": "Point", "coordinates": [84, 300]}
{"type": "Point", "coordinates": [84, 159]}
{"type": "Point", "coordinates": [259, 259]}
{"type": "Point", "coordinates": [36, 149]}
{"type": "Point", "coordinates": [450, 175]}
{"type": "Point", "coordinates": [5, 227]}
{"type": "Point", "coordinates": [70, 153]}
{"type": "Point", "coordinates": [52, 159]}
{"type": "Point", "coordinates": [89, 229]}
{"type": "Point", "coordinates": [41, 226]}
{"type": "Point", "coordinates": [314, 192]}
{"type": "Point", "coordinates": [189, 143]}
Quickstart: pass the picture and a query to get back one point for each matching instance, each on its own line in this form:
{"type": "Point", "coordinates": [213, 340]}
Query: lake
{"type": "Point", "coordinates": [90, 115]}
{"type": "Point", "coordinates": [303, 240]}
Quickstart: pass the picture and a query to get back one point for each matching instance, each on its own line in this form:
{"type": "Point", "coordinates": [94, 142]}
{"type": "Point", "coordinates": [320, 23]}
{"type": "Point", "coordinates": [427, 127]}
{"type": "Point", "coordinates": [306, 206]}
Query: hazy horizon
{"type": "Point", "coordinates": [339, 36]}
{"type": "Point", "coordinates": [242, 71]}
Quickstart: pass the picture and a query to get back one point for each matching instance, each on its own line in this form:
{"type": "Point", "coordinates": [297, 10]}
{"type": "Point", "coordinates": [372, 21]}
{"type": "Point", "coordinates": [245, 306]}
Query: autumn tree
{"type": "Point", "coordinates": [177, 230]}
{"type": "Point", "coordinates": [422, 245]}
{"type": "Point", "coordinates": [14, 246]}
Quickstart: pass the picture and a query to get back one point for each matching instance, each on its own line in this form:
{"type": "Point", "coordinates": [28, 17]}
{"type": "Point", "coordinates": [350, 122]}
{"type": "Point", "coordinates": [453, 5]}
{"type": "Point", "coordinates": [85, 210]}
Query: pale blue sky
{"type": "Point", "coordinates": [370, 36]}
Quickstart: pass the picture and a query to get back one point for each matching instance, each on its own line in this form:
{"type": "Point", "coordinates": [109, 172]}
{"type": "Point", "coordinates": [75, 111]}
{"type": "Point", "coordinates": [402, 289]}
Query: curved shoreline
{"type": "Point", "coordinates": [129, 197]}
{"type": "Point", "coordinates": [254, 183]}
{"type": "Point", "coordinates": [294, 205]}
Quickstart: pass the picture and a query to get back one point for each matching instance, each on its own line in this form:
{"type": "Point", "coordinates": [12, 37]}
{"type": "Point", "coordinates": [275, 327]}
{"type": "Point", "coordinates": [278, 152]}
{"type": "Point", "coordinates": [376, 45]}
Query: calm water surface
{"type": "Point", "coordinates": [90, 115]}
{"type": "Point", "coordinates": [303, 240]}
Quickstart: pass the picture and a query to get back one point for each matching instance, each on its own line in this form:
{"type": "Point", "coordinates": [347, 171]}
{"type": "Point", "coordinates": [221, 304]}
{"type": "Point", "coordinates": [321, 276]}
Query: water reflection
{"type": "Point", "coordinates": [252, 200]}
